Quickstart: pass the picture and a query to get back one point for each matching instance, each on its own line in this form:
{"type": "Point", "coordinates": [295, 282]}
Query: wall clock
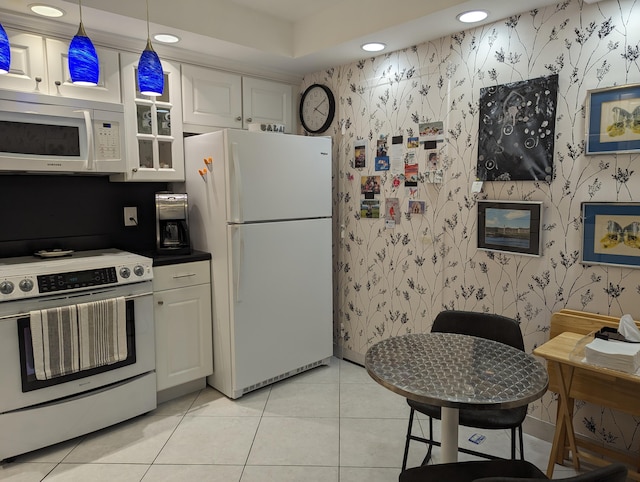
{"type": "Point", "coordinates": [317, 108]}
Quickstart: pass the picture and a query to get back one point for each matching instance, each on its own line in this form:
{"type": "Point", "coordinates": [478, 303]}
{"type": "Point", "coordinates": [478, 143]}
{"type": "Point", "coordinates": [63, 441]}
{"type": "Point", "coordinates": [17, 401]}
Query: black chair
{"type": "Point", "coordinates": [484, 325]}
{"type": "Point", "coordinates": [503, 471]}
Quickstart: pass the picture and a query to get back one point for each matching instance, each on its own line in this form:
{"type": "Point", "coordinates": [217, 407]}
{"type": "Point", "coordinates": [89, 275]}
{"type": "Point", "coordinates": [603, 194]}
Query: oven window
{"type": "Point", "coordinates": [39, 139]}
{"type": "Point", "coordinates": [29, 380]}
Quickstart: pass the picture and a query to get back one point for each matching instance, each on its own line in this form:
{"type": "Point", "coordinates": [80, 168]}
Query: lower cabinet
{"type": "Point", "coordinates": [182, 299]}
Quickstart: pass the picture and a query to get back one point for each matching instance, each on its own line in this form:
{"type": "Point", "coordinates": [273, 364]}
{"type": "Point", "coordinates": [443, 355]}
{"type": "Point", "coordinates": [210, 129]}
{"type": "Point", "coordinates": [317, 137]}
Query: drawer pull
{"type": "Point", "coordinates": [184, 276]}
{"type": "Point", "coordinates": [161, 303]}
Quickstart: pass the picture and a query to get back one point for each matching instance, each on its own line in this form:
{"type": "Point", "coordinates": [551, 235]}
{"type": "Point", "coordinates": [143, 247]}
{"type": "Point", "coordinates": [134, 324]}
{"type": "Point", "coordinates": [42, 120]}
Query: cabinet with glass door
{"type": "Point", "coordinates": [153, 126]}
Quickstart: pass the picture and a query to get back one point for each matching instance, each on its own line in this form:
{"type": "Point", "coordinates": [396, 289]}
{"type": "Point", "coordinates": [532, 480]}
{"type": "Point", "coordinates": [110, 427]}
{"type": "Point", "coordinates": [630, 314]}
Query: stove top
{"type": "Point", "coordinates": [32, 276]}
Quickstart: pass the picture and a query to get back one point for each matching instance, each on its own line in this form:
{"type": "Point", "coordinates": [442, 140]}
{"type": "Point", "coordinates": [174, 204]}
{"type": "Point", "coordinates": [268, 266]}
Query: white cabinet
{"type": "Point", "coordinates": [153, 126]}
{"type": "Point", "coordinates": [108, 88]}
{"type": "Point", "coordinates": [266, 102]}
{"type": "Point", "coordinates": [212, 98]}
{"type": "Point", "coordinates": [40, 65]}
{"type": "Point", "coordinates": [184, 347]}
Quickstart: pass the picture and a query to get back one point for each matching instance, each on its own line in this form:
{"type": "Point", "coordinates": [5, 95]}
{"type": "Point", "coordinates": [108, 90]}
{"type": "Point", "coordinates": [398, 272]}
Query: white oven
{"type": "Point", "coordinates": [37, 411]}
{"type": "Point", "coordinates": [48, 134]}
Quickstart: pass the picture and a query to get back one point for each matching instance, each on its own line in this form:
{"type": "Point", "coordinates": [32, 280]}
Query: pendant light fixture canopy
{"type": "Point", "coordinates": [150, 73]}
{"type": "Point", "coordinates": [84, 66]}
{"type": "Point", "coordinates": [5, 52]}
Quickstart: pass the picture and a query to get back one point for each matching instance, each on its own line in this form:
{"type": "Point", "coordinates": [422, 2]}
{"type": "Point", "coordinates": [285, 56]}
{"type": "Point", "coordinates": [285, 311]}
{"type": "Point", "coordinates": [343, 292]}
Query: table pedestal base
{"type": "Point", "coordinates": [449, 445]}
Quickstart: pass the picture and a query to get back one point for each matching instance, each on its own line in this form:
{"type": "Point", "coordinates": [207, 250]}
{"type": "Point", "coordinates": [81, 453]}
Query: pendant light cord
{"type": "Point", "coordinates": [80, 5]}
{"type": "Point", "coordinates": [148, 34]}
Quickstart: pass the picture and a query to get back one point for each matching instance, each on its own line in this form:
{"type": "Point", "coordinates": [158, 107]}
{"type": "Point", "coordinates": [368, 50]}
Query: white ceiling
{"type": "Point", "coordinates": [281, 38]}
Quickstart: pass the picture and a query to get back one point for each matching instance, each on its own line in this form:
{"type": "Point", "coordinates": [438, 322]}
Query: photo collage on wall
{"type": "Point", "coordinates": [403, 160]}
{"type": "Point", "coordinates": [431, 133]}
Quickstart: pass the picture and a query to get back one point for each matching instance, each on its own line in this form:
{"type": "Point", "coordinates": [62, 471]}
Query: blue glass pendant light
{"type": "Point", "coordinates": [83, 59]}
{"type": "Point", "coordinates": [5, 52]}
{"type": "Point", "coordinates": [150, 73]}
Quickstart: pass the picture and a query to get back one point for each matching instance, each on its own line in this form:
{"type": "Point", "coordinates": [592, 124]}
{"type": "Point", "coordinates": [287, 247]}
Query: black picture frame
{"type": "Point", "coordinates": [611, 234]}
{"type": "Point", "coordinates": [613, 120]}
{"type": "Point", "coordinates": [510, 226]}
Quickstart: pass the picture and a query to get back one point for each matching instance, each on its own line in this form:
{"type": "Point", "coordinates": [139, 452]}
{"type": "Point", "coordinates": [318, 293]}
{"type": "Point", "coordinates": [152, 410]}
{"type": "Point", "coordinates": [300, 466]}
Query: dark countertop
{"type": "Point", "coordinates": [169, 259]}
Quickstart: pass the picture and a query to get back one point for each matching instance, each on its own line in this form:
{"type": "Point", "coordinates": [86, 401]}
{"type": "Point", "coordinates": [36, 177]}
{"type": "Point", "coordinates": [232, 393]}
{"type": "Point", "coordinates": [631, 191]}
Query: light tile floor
{"type": "Point", "coordinates": [331, 424]}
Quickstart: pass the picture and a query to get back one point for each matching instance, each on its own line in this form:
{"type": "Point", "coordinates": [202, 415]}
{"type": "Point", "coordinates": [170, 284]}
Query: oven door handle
{"type": "Point", "coordinates": [23, 314]}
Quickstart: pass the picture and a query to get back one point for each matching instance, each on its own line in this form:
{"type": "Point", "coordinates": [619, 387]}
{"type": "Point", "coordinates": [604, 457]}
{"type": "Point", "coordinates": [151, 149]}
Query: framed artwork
{"type": "Point", "coordinates": [511, 226]}
{"type": "Point", "coordinates": [517, 130]}
{"type": "Point", "coordinates": [613, 120]}
{"type": "Point", "coordinates": [611, 234]}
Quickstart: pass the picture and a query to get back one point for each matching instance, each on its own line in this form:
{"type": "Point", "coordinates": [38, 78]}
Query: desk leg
{"type": "Point", "coordinates": [449, 447]}
{"type": "Point", "coordinates": [564, 422]}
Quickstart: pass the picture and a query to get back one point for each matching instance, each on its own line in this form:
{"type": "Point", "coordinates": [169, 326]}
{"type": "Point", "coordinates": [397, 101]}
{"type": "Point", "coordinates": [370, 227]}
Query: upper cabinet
{"type": "Point", "coordinates": [108, 88]}
{"type": "Point", "coordinates": [266, 102]}
{"type": "Point", "coordinates": [153, 126]}
{"type": "Point", "coordinates": [212, 98]}
{"type": "Point", "coordinates": [40, 65]}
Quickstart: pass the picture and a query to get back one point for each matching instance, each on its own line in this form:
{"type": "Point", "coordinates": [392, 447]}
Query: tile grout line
{"type": "Point", "coordinates": [172, 433]}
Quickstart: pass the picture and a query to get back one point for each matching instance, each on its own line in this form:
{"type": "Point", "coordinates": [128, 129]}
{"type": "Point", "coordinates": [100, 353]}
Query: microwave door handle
{"type": "Point", "coordinates": [89, 128]}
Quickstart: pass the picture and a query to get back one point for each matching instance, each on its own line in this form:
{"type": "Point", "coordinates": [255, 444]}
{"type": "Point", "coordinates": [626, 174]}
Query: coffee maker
{"type": "Point", "coordinates": [172, 223]}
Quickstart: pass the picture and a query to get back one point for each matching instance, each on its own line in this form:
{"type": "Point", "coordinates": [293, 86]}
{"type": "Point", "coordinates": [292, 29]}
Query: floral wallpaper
{"type": "Point", "coordinates": [393, 278]}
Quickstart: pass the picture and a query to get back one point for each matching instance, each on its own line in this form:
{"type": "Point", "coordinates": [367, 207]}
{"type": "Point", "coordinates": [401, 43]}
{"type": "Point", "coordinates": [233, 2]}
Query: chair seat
{"type": "Point", "coordinates": [485, 419]}
{"type": "Point", "coordinates": [470, 471]}
{"type": "Point", "coordinates": [504, 471]}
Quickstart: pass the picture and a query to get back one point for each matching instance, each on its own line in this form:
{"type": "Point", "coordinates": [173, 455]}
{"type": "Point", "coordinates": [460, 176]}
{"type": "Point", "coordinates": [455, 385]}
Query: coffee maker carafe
{"type": "Point", "coordinates": [172, 224]}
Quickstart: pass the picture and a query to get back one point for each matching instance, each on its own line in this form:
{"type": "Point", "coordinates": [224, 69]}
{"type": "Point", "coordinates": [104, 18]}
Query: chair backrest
{"type": "Point", "coordinates": [483, 325]}
{"type": "Point", "coordinates": [611, 473]}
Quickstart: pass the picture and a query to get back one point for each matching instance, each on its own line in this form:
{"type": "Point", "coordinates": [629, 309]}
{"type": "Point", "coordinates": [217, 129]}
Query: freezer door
{"type": "Point", "coordinates": [277, 176]}
{"type": "Point", "coordinates": [281, 298]}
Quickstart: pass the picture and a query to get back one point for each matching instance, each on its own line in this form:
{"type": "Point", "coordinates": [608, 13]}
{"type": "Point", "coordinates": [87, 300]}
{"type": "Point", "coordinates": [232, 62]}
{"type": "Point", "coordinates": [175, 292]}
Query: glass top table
{"type": "Point", "coordinates": [456, 371]}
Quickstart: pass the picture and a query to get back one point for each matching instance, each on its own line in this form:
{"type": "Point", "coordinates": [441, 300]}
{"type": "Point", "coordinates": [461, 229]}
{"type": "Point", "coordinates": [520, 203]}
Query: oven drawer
{"type": "Point", "coordinates": [180, 275]}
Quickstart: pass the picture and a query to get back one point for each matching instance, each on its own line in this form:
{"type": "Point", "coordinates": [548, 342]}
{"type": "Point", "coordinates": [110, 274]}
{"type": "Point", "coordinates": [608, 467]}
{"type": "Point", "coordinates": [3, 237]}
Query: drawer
{"type": "Point", "coordinates": [181, 275]}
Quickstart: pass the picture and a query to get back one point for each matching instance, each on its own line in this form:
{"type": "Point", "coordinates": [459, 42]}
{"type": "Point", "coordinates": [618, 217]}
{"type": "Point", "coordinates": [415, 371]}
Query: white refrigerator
{"type": "Point", "coordinates": [263, 210]}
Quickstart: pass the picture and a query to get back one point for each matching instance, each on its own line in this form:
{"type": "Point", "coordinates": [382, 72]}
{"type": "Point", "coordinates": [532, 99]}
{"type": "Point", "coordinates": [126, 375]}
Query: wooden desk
{"type": "Point", "coordinates": [572, 378]}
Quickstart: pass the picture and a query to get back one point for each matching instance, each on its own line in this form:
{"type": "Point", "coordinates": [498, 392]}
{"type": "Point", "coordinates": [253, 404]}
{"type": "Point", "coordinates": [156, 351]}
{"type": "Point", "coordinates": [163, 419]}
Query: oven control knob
{"type": "Point", "coordinates": [125, 272]}
{"type": "Point", "coordinates": [6, 287]}
{"type": "Point", "coordinates": [138, 270]}
{"type": "Point", "coordinates": [26, 285]}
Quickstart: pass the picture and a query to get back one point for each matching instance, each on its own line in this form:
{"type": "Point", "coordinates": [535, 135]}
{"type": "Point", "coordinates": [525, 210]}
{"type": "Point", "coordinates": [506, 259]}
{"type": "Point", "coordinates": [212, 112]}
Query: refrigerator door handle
{"type": "Point", "coordinates": [238, 260]}
{"type": "Point", "coordinates": [238, 181]}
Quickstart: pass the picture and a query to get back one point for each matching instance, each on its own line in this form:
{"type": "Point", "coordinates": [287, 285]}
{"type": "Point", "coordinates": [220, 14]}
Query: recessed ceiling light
{"type": "Point", "coordinates": [167, 38]}
{"type": "Point", "coordinates": [46, 10]}
{"type": "Point", "coordinates": [373, 47]}
{"type": "Point", "coordinates": [473, 16]}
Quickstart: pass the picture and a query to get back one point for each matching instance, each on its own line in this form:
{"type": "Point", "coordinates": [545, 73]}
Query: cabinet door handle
{"type": "Point", "coordinates": [184, 276]}
{"type": "Point", "coordinates": [161, 303]}
{"type": "Point", "coordinates": [249, 119]}
{"type": "Point", "coordinates": [238, 118]}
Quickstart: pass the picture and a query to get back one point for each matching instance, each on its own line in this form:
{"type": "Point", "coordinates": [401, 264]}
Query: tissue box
{"type": "Point", "coordinates": [615, 355]}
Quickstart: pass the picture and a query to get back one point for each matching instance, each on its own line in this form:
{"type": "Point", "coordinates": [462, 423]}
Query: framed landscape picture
{"type": "Point", "coordinates": [510, 226]}
{"type": "Point", "coordinates": [611, 234]}
{"type": "Point", "coordinates": [613, 120]}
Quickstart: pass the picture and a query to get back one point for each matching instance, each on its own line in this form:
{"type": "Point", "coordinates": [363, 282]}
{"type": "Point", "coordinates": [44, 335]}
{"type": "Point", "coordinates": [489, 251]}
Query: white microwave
{"type": "Point", "coordinates": [48, 134]}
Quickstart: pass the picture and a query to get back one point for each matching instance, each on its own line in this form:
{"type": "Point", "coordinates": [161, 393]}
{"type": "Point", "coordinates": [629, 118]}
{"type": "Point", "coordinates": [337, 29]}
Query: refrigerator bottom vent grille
{"type": "Point", "coordinates": [288, 374]}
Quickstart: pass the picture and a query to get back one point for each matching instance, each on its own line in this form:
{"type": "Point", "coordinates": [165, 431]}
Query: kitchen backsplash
{"type": "Point", "coordinates": [73, 212]}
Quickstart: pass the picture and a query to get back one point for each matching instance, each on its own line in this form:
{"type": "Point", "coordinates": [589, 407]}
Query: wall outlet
{"type": "Point", "coordinates": [131, 216]}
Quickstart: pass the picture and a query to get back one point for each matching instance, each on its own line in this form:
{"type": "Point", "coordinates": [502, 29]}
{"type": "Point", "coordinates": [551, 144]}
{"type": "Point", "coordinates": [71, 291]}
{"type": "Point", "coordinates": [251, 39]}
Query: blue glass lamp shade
{"type": "Point", "coordinates": [5, 52]}
{"type": "Point", "coordinates": [150, 73]}
{"type": "Point", "coordinates": [83, 60]}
